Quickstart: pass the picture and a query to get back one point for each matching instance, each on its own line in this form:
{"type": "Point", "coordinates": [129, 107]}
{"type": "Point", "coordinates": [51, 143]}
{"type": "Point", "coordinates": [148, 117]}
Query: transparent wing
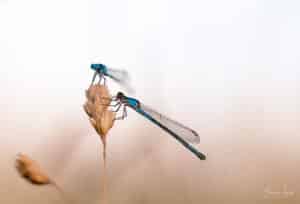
{"type": "Point", "coordinates": [185, 132]}
{"type": "Point", "coordinates": [121, 76]}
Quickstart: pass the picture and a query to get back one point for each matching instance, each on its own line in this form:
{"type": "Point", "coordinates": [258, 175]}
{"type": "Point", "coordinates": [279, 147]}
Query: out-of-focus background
{"type": "Point", "coordinates": [229, 69]}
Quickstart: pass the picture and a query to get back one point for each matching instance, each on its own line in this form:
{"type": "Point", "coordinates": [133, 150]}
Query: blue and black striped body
{"type": "Point", "coordinates": [132, 102]}
{"type": "Point", "coordinates": [100, 68]}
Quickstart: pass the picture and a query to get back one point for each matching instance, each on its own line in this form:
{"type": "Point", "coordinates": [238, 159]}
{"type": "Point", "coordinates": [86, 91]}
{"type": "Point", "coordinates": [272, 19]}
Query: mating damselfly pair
{"type": "Point", "coordinates": [183, 134]}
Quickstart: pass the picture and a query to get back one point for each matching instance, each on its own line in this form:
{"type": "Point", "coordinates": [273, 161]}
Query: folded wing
{"type": "Point", "coordinates": [181, 130]}
{"type": "Point", "coordinates": [122, 77]}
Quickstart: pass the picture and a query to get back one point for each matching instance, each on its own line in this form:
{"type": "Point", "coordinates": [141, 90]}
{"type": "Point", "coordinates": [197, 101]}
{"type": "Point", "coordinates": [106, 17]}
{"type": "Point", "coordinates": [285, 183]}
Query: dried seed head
{"type": "Point", "coordinates": [96, 107]}
{"type": "Point", "coordinates": [107, 121]}
{"type": "Point", "coordinates": [98, 99]}
{"type": "Point", "coordinates": [30, 170]}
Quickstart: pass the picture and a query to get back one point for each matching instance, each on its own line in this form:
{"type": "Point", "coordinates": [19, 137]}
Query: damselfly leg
{"type": "Point", "coordinates": [111, 102]}
{"type": "Point", "coordinates": [94, 77]}
{"type": "Point", "coordinates": [116, 104]}
{"type": "Point", "coordinates": [101, 78]}
{"type": "Point", "coordinates": [124, 113]}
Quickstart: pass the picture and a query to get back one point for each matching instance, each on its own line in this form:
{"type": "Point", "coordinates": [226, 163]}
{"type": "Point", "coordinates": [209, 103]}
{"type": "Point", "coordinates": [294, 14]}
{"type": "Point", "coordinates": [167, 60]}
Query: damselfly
{"type": "Point", "coordinates": [180, 132]}
{"type": "Point", "coordinates": [119, 75]}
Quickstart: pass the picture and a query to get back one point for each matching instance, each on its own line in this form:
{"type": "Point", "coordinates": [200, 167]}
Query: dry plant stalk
{"type": "Point", "coordinates": [32, 172]}
{"type": "Point", "coordinates": [102, 119]}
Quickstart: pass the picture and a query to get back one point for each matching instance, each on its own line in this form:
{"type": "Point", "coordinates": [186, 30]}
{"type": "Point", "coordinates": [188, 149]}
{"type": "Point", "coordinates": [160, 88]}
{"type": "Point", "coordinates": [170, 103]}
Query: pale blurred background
{"type": "Point", "coordinates": [229, 69]}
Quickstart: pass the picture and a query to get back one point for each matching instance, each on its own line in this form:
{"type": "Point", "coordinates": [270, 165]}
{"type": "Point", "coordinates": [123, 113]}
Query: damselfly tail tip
{"type": "Point", "coordinates": [200, 155]}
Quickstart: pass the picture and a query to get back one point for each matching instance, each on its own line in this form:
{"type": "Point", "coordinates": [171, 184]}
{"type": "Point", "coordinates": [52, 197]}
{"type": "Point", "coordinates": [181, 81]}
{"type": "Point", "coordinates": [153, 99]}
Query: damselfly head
{"type": "Point", "coordinates": [99, 68]}
{"type": "Point", "coordinates": [120, 96]}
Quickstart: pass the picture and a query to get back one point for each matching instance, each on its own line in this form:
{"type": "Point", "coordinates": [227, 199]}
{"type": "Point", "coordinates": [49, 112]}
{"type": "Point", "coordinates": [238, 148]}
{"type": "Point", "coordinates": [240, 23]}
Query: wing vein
{"type": "Point", "coordinates": [185, 132]}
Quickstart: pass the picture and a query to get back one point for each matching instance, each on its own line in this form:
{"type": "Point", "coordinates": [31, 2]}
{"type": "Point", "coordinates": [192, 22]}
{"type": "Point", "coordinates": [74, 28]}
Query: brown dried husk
{"type": "Point", "coordinates": [96, 107]}
{"type": "Point", "coordinates": [30, 170]}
